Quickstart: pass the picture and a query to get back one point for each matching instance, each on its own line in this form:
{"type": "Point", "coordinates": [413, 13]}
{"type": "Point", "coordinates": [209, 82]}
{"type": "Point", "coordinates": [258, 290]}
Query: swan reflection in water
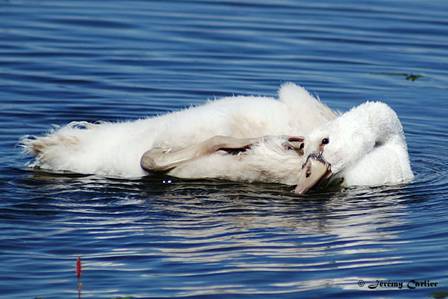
{"type": "Point", "coordinates": [261, 228]}
{"type": "Point", "coordinates": [356, 217]}
{"type": "Point", "coordinates": [225, 228]}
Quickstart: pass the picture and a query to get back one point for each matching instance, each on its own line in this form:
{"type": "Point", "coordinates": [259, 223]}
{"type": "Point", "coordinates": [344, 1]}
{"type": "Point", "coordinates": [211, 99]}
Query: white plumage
{"type": "Point", "coordinates": [367, 145]}
{"type": "Point", "coordinates": [115, 149]}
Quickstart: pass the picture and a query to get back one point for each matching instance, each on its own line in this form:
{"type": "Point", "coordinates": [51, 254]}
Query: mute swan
{"type": "Point", "coordinates": [115, 149]}
{"type": "Point", "coordinates": [221, 139]}
{"type": "Point", "coordinates": [364, 146]}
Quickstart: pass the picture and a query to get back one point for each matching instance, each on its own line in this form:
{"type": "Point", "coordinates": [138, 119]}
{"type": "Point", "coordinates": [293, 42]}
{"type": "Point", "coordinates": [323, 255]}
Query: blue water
{"type": "Point", "coordinates": [116, 60]}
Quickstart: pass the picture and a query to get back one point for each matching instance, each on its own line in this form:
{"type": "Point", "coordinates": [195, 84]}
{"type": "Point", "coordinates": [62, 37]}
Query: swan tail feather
{"type": "Point", "coordinates": [56, 147]}
{"type": "Point", "coordinates": [38, 146]}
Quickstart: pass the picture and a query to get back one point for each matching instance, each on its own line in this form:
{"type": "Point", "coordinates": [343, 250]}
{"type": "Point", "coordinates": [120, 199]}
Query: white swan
{"type": "Point", "coordinates": [364, 146]}
{"type": "Point", "coordinates": [224, 139]}
{"type": "Point", "coordinates": [115, 149]}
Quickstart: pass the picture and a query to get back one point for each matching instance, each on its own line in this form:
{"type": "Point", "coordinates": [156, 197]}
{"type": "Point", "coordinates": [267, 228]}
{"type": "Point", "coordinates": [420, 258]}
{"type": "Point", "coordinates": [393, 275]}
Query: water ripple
{"type": "Point", "coordinates": [164, 237]}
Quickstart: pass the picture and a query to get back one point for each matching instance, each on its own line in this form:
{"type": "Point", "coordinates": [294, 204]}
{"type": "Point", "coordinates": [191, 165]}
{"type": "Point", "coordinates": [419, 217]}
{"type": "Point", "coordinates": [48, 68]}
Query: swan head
{"type": "Point", "coordinates": [339, 144]}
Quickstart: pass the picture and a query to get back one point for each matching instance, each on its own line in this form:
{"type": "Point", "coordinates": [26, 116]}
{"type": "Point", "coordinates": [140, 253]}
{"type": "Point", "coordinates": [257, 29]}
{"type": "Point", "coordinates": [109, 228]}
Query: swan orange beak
{"type": "Point", "coordinates": [314, 170]}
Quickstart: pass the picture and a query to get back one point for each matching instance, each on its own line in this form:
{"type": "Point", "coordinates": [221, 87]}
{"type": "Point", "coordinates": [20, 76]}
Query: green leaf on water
{"type": "Point", "coordinates": [407, 76]}
{"type": "Point", "coordinates": [413, 77]}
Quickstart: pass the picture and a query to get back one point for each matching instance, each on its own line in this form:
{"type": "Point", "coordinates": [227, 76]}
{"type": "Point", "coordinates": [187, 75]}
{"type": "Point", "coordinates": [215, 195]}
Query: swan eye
{"type": "Point", "coordinates": [325, 141]}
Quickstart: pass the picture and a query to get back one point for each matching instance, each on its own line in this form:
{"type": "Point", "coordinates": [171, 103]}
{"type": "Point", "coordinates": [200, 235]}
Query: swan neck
{"type": "Point", "coordinates": [367, 127]}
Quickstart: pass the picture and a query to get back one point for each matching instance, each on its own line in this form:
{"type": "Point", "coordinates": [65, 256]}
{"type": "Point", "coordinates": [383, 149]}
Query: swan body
{"type": "Point", "coordinates": [115, 149]}
{"type": "Point", "coordinates": [241, 138]}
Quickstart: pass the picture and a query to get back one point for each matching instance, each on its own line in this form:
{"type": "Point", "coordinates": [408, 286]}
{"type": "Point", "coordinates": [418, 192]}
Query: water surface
{"type": "Point", "coordinates": [111, 60]}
